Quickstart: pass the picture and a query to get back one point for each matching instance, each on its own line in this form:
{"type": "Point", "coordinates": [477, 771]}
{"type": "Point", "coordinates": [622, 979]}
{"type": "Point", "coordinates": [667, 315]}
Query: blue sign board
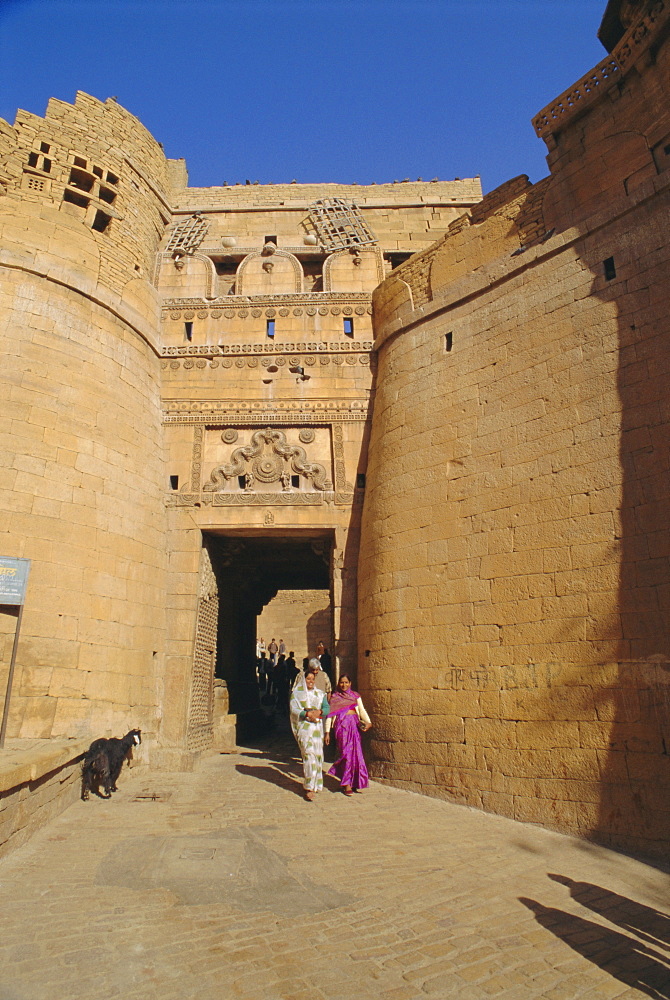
{"type": "Point", "coordinates": [13, 580]}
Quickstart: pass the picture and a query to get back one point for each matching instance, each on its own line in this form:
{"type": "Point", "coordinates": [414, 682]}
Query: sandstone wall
{"type": "Point", "coordinates": [81, 480]}
{"type": "Point", "coordinates": [514, 581]}
{"type": "Point", "coordinates": [404, 216]}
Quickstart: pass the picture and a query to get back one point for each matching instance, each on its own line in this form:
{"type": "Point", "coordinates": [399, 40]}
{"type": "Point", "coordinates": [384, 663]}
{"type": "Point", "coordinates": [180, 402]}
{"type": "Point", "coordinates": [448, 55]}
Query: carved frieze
{"type": "Point", "coordinates": [225, 364]}
{"type": "Point", "coordinates": [236, 412]}
{"type": "Point", "coordinates": [243, 307]}
{"type": "Point", "coordinates": [252, 499]}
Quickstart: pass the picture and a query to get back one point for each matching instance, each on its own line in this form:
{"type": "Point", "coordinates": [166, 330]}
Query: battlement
{"type": "Point", "coordinates": [645, 24]}
{"type": "Point", "coordinates": [249, 196]}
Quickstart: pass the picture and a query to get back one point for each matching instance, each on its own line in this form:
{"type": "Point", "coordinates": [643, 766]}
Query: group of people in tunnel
{"type": "Point", "coordinates": [276, 675]}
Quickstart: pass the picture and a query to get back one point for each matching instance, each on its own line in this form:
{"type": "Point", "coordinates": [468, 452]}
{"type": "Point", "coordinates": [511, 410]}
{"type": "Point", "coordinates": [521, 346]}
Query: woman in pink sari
{"type": "Point", "coordinates": [347, 714]}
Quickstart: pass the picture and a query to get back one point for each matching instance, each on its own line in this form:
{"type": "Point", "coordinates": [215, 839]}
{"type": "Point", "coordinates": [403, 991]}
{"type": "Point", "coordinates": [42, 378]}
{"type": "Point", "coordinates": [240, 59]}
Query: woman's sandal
{"type": "Point", "coordinates": [348, 790]}
{"type": "Point", "coordinates": [310, 796]}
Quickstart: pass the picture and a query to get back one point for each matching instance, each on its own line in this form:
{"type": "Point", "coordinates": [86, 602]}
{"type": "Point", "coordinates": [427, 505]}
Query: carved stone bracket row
{"type": "Point", "coordinates": [189, 314]}
{"type": "Point", "coordinates": [216, 350]}
{"type": "Point", "coordinates": [253, 362]}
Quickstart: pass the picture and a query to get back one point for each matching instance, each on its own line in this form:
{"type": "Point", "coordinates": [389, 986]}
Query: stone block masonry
{"type": "Point", "coordinates": [514, 584]}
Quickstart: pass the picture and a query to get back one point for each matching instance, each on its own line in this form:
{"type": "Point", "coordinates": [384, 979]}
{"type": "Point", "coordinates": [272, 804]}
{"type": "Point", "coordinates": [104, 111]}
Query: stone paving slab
{"type": "Point", "coordinates": [227, 885]}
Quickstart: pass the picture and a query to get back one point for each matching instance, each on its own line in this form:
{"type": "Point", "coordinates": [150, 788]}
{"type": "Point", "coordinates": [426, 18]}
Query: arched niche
{"type": "Point", "coordinates": [187, 276]}
{"type": "Point", "coordinates": [359, 269]}
{"type": "Point", "coordinates": [269, 272]}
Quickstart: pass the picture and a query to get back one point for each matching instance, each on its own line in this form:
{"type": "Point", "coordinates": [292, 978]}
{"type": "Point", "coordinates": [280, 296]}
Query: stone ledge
{"type": "Point", "coordinates": [39, 779]}
{"type": "Point", "coordinates": [22, 761]}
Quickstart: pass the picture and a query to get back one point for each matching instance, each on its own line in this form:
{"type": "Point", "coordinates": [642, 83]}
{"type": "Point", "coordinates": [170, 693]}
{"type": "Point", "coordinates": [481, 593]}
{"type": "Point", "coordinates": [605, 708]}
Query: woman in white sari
{"type": "Point", "coordinates": [309, 706]}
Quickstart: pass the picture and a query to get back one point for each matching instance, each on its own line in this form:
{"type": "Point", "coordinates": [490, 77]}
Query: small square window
{"type": "Point", "coordinates": [80, 180]}
{"type": "Point", "coordinates": [75, 199]}
{"type": "Point", "coordinates": [270, 328]}
{"type": "Point", "coordinates": [44, 147]}
{"type": "Point", "coordinates": [348, 326]}
{"type": "Point", "coordinates": [174, 482]}
{"type": "Point", "coordinates": [79, 162]}
{"type": "Point", "coordinates": [101, 221]}
{"type": "Point", "coordinates": [188, 331]}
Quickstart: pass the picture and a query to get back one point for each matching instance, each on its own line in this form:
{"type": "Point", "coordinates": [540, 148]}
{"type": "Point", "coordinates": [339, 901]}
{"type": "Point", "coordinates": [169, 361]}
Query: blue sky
{"type": "Point", "coordinates": [317, 90]}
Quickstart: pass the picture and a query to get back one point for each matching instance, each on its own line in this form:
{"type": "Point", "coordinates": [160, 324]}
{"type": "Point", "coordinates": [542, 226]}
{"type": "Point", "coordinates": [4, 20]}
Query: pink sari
{"type": "Point", "coordinates": [350, 765]}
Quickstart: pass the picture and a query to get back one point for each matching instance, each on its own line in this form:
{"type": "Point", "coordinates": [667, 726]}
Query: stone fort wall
{"type": "Point", "coordinates": [81, 468]}
{"type": "Point", "coordinates": [514, 584]}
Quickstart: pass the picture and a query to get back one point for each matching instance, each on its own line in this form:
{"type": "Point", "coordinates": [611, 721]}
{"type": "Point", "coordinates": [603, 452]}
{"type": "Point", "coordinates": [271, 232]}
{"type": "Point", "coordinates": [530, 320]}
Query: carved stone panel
{"type": "Point", "coordinates": [248, 461]}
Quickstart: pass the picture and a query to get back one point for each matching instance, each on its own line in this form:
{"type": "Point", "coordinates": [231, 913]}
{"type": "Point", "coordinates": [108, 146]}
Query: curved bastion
{"type": "Point", "coordinates": [80, 219]}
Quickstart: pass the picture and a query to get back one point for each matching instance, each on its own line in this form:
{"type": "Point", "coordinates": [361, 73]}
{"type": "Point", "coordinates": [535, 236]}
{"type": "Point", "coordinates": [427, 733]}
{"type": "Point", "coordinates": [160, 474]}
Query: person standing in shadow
{"type": "Point", "coordinates": [326, 662]}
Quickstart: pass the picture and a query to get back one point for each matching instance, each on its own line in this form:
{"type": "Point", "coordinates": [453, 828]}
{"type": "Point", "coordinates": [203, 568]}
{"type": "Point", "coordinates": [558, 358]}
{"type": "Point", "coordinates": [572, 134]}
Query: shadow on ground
{"type": "Point", "coordinates": [641, 961]}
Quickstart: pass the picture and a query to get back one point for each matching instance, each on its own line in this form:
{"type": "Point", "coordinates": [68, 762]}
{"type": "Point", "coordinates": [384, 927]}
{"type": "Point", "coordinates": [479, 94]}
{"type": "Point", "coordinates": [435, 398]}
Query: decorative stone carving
{"type": "Point", "coordinates": [268, 468]}
{"type": "Point", "coordinates": [229, 436]}
{"type": "Point", "coordinates": [222, 413]}
{"type": "Point", "coordinates": [299, 300]}
{"type": "Point", "coordinates": [196, 462]}
{"type": "Point", "coordinates": [306, 435]}
{"type": "Point", "coordinates": [266, 458]}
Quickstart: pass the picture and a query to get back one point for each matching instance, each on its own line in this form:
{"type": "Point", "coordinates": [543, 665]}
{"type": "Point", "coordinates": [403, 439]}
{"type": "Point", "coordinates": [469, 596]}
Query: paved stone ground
{"type": "Point", "coordinates": [230, 886]}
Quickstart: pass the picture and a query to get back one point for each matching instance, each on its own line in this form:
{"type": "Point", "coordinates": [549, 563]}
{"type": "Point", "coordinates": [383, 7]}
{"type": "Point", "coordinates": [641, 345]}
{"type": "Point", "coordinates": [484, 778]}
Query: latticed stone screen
{"type": "Point", "coordinates": [339, 224]}
{"type": "Point", "coordinates": [187, 236]}
{"type": "Point", "coordinates": [199, 734]}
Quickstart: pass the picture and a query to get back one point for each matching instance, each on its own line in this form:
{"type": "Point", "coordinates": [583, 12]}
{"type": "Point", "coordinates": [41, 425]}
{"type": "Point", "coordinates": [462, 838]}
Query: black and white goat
{"type": "Point", "coordinates": [103, 762]}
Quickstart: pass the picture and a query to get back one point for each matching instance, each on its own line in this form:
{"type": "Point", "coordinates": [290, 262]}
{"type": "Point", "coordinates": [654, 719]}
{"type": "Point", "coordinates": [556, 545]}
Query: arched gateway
{"type": "Point", "coordinates": [267, 391]}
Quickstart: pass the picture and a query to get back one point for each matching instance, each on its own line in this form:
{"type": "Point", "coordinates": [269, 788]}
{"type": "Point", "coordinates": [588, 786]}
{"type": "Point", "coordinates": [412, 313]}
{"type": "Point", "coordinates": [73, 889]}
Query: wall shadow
{"type": "Point", "coordinates": [635, 767]}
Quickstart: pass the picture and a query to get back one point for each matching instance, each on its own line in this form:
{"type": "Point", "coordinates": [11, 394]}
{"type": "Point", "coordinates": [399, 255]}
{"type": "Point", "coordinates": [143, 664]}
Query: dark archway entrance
{"type": "Point", "coordinates": [250, 570]}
